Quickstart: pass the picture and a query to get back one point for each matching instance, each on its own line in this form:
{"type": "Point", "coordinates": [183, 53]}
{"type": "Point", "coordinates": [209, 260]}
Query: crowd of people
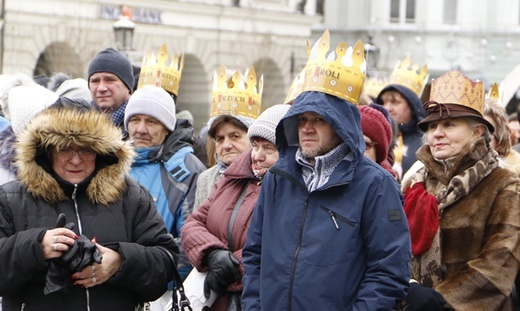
{"type": "Point", "coordinates": [335, 199]}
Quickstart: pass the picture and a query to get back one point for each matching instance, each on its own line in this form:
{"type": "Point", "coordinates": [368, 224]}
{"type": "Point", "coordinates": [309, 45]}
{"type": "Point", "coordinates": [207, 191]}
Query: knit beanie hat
{"type": "Point", "coordinates": [152, 101]}
{"type": "Point", "coordinates": [25, 101]}
{"type": "Point", "coordinates": [74, 88]}
{"type": "Point", "coordinates": [265, 125]}
{"type": "Point", "coordinates": [376, 127]}
{"type": "Point", "coordinates": [110, 60]}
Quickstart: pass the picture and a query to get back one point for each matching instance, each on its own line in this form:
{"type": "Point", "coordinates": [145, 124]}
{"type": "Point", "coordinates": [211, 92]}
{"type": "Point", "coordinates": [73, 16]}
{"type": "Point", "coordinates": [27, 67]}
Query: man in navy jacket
{"type": "Point", "coordinates": [328, 231]}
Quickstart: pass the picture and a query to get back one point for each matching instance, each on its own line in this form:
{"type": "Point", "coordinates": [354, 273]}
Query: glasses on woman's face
{"type": "Point", "coordinates": [369, 144]}
{"type": "Point", "coordinates": [84, 154]}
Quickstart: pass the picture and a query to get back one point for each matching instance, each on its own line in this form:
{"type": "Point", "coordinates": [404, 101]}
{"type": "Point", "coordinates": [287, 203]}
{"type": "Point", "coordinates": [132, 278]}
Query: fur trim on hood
{"type": "Point", "coordinates": [59, 127]}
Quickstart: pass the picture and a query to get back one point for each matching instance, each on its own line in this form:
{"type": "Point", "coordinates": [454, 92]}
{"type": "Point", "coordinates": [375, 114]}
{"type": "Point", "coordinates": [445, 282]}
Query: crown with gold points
{"type": "Point", "coordinates": [454, 87]}
{"type": "Point", "coordinates": [236, 96]}
{"type": "Point", "coordinates": [340, 73]}
{"type": "Point", "coordinates": [495, 94]}
{"type": "Point", "coordinates": [410, 76]}
{"type": "Point", "coordinates": [374, 86]}
{"type": "Point", "coordinates": [155, 71]}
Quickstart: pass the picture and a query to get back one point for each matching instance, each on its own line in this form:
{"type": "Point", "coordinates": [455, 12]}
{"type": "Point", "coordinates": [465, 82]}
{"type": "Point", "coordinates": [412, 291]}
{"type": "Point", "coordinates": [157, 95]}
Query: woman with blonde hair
{"type": "Point", "coordinates": [461, 207]}
{"type": "Point", "coordinates": [501, 138]}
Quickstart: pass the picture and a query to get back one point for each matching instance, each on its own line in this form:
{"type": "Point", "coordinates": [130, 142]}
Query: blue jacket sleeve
{"type": "Point", "coordinates": [251, 255]}
{"type": "Point", "coordinates": [387, 237]}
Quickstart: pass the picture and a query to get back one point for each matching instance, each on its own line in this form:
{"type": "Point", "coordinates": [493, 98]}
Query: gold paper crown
{"type": "Point", "coordinates": [234, 96]}
{"type": "Point", "coordinates": [408, 77]}
{"type": "Point", "coordinates": [340, 73]}
{"type": "Point", "coordinates": [154, 71]}
{"type": "Point", "coordinates": [495, 94]}
{"type": "Point", "coordinates": [455, 88]}
{"type": "Point", "coordinates": [374, 86]}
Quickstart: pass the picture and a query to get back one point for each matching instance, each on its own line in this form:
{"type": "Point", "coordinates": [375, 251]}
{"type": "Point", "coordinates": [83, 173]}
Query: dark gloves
{"type": "Point", "coordinates": [223, 270]}
{"type": "Point", "coordinates": [81, 255]}
{"type": "Point", "coordinates": [422, 298]}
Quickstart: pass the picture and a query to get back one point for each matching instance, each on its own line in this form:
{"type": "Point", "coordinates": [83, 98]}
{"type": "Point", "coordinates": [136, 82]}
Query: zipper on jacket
{"type": "Point", "coordinates": [296, 253]}
{"type": "Point", "coordinates": [334, 215]}
{"type": "Point", "coordinates": [80, 229]}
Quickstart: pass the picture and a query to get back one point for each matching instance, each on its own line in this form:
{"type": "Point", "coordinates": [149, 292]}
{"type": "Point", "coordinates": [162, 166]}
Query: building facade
{"type": "Point", "coordinates": [478, 37]}
{"type": "Point", "coordinates": [47, 36]}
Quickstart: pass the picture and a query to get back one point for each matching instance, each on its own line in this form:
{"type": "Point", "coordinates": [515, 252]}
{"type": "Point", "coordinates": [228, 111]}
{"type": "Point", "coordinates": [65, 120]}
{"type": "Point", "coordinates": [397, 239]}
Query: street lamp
{"type": "Point", "coordinates": [371, 54]}
{"type": "Point", "coordinates": [124, 33]}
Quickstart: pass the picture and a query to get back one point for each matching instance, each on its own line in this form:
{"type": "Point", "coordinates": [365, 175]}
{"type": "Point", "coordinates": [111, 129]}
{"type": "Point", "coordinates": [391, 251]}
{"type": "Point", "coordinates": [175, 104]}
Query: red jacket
{"type": "Point", "coordinates": [207, 228]}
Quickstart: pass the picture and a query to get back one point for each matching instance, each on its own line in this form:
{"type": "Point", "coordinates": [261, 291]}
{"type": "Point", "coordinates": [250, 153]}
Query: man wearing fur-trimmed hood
{"type": "Point", "coordinates": [72, 160]}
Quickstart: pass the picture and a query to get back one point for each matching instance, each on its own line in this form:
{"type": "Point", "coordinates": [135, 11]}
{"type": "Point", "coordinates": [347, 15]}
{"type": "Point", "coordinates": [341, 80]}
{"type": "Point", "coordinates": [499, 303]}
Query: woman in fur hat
{"type": "Point", "coordinates": [71, 160]}
{"type": "Point", "coordinates": [462, 207]}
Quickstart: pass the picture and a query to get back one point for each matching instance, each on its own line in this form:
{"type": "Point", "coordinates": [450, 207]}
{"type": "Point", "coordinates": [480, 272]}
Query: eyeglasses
{"type": "Point", "coordinates": [84, 154]}
{"type": "Point", "coordinates": [369, 144]}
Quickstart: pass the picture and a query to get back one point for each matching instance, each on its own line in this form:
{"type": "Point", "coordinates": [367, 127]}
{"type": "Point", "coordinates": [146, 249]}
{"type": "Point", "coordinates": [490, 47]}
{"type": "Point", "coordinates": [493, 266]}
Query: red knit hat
{"type": "Point", "coordinates": [376, 127]}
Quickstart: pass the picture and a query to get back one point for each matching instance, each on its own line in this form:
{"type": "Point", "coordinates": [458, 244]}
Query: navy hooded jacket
{"type": "Point", "coordinates": [344, 246]}
{"type": "Point", "coordinates": [412, 136]}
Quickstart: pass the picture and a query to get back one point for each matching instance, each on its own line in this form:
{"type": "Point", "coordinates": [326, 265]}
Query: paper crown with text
{"type": "Point", "coordinates": [340, 73]}
{"type": "Point", "coordinates": [155, 71]}
{"type": "Point", "coordinates": [410, 76]}
{"type": "Point", "coordinates": [236, 96]}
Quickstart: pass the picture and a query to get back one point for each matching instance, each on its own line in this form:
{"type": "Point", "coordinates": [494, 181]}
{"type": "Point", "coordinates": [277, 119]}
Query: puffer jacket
{"type": "Point", "coordinates": [343, 246]}
{"type": "Point", "coordinates": [108, 205]}
{"type": "Point", "coordinates": [169, 172]}
{"type": "Point", "coordinates": [208, 228]}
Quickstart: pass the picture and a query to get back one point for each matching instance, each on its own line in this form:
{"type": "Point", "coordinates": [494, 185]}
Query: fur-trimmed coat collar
{"type": "Point", "coordinates": [59, 127]}
{"type": "Point", "coordinates": [479, 233]}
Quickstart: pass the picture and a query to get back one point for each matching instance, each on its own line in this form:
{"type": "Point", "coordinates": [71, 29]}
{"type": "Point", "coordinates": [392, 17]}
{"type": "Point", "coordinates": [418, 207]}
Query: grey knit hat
{"type": "Point", "coordinates": [110, 60]}
{"type": "Point", "coordinates": [265, 125]}
{"type": "Point", "coordinates": [152, 101]}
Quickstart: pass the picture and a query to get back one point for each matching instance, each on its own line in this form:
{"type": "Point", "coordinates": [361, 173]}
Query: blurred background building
{"type": "Point", "coordinates": [478, 37]}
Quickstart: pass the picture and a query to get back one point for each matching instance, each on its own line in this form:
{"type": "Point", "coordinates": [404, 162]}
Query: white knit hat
{"type": "Point", "coordinates": [25, 101]}
{"type": "Point", "coordinates": [265, 126]}
{"type": "Point", "coordinates": [152, 101]}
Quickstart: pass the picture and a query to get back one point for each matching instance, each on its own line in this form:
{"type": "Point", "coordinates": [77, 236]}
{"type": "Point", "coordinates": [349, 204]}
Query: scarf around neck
{"type": "Point", "coordinates": [448, 184]}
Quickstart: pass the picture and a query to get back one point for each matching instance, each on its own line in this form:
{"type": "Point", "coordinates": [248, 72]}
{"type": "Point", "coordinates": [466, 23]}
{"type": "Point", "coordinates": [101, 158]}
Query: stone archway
{"type": "Point", "coordinates": [59, 57]}
{"type": "Point", "coordinates": [274, 88]}
{"type": "Point", "coordinates": [194, 91]}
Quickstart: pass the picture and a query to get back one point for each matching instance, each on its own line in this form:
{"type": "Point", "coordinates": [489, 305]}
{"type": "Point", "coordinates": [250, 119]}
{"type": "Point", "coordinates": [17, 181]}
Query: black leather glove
{"type": "Point", "coordinates": [81, 255]}
{"type": "Point", "coordinates": [422, 298]}
{"type": "Point", "coordinates": [223, 270]}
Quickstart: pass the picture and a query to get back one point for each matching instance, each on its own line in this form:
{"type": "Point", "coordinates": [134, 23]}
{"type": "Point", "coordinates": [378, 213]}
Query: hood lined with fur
{"type": "Point", "coordinates": [60, 127]}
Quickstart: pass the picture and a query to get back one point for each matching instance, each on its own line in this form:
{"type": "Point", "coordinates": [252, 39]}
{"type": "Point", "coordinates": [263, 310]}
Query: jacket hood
{"type": "Point", "coordinates": [181, 136]}
{"type": "Point", "coordinates": [59, 127]}
{"type": "Point", "coordinates": [414, 102]}
{"type": "Point", "coordinates": [340, 114]}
